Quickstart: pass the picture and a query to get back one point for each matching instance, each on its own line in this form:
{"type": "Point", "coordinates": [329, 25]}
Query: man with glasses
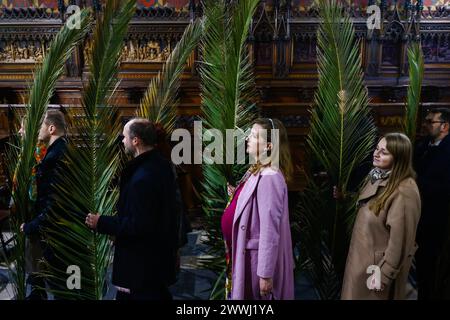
{"type": "Point", "coordinates": [432, 160]}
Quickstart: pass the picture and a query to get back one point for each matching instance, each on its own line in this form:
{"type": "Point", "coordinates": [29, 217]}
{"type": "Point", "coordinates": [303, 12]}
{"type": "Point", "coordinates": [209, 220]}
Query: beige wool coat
{"type": "Point", "coordinates": [386, 240]}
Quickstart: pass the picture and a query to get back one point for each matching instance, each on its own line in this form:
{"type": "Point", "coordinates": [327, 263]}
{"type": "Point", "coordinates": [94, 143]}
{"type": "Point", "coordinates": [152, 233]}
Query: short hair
{"type": "Point", "coordinates": [143, 129]}
{"type": "Point", "coordinates": [56, 118]}
{"type": "Point", "coordinates": [445, 113]}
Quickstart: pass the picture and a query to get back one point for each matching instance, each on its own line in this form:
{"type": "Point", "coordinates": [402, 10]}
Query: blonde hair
{"type": "Point", "coordinates": [284, 152]}
{"type": "Point", "coordinates": [400, 147]}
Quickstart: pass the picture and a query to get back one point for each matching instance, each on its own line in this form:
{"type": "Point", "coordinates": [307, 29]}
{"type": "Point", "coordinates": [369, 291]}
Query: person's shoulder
{"type": "Point", "coordinates": [55, 152]}
{"type": "Point", "coordinates": [58, 147]}
{"type": "Point", "coordinates": [163, 161]}
{"type": "Point", "coordinates": [274, 175]}
{"type": "Point", "coordinates": [270, 171]}
{"type": "Point", "coordinates": [155, 166]}
{"type": "Point", "coordinates": [160, 165]}
{"type": "Point", "coordinates": [446, 144]}
{"type": "Point", "coordinates": [421, 145]}
{"type": "Point", "coordinates": [408, 188]}
{"type": "Point", "coordinates": [423, 141]}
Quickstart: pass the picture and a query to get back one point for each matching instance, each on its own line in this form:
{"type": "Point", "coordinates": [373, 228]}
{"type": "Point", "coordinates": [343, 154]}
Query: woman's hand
{"type": "Point", "coordinates": [265, 286]}
{"type": "Point", "coordinates": [230, 189]}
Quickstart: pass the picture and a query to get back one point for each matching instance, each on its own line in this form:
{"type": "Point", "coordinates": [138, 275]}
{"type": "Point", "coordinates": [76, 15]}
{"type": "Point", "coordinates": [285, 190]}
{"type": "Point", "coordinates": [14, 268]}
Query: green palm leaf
{"type": "Point", "coordinates": [341, 137]}
{"type": "Point", "coordinates": [227, 91]}
{"type": "Point", "coordinates": [21, 161]}
{"type": "Point", "coordinates": [92, 162]}
{"type": "Point", "coordinates": [416, 69]}
{"type": "Point", "coordinates": [160, 99]}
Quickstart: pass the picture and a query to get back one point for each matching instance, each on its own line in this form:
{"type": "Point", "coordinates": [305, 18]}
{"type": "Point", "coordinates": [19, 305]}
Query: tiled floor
{"type": "Point", "coordinates": [193, 282]}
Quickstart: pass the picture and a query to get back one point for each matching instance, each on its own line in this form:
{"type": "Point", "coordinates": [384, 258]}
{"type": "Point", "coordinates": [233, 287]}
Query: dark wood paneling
{"type": "Point", "coordinates": [282, 45]}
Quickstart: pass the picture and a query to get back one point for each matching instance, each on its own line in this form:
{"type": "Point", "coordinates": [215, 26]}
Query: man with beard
{"type": "Point", "coordinates": [52, 133]}
{"type": "Point", "coordinates": [145, 227]}
{"type": "Point", "coordinates": [432, 162]}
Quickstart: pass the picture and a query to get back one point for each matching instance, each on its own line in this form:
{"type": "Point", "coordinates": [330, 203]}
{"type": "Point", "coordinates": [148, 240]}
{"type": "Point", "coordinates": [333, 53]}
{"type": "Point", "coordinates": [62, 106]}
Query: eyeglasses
{"type": "Point", "coordinates": [428, 121]}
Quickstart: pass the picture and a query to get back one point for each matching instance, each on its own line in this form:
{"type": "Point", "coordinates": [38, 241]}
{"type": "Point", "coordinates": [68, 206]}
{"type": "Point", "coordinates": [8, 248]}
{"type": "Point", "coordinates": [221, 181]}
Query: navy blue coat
{"type": "Point", "coordinates": [46, 176]}
{"type": "Point", "coordinates": [432, 164]}
{"type": "Point", "coordinates": [145, 227]}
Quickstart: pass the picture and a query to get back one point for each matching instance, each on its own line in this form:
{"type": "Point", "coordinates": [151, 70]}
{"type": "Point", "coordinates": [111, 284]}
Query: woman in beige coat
{"type": "Point", "coordinates": [383, 239]}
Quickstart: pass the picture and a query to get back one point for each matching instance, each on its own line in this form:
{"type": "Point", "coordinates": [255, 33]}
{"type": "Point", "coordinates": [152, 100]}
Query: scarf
{"type": "Point", "coordinates": [377, 174]}
{"type": "Point", "coordinates": [39, 154]}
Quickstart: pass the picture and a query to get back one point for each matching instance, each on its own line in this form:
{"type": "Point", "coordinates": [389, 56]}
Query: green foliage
{"type": "Point", "coordinates": [21, 159]}
{"type": "Point", "coordinates": [228, 95]}
{"type": "Point", "coordinates": [341, 137]}
{"type": "Point", "coordinates": [92, 162]}
{"type": "Point", "coordinates": [161, 98]}
{"type": "Point", "coordinates": [416, 70]}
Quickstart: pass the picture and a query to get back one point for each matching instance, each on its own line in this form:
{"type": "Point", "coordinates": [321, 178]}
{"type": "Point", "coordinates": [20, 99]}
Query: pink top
{"type": "Point", "coordinates": [228, 216]}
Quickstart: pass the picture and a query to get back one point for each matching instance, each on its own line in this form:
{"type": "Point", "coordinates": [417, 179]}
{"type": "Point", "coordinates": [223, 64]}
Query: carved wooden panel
{"type": "Point", "coordinates": [282, 44]}
{"type": "Point", "coordinates": [4, 123]}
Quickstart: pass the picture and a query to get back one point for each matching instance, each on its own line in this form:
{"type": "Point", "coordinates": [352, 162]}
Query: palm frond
{"type": "Point", "coordinates": [41, 91]}
{"type": "Point", "coordinates": [92, 162]}
{"type": "Point", "coordinates": [160, 100]}
{"type": "Point", "coordinates": [228, 95]}
{"type": "Point", "coordinates": [341, 137]}
{"type": "Point", "coordinates": [218, 292]}
{"type": "Point", "coordinates": [416, 70]}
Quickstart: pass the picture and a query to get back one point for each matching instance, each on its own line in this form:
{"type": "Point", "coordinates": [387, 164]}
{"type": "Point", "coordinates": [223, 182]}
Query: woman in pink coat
{"type": "Point", "coordinates": [256, 222]}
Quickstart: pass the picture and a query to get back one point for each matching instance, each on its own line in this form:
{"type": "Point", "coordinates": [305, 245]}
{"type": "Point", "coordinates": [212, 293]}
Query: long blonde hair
{"type": "Point", "coordinates": [285, 160]}
{"type": "Point", "coordinates": [400, 147]}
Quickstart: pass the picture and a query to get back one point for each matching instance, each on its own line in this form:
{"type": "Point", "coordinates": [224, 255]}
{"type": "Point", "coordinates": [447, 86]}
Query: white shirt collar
{"type": "Point", "coordinates": [435, 144]}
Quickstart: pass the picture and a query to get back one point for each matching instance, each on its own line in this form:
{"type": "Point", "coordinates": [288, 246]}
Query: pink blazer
{"type": "Point", "coordinates": [261, 238]}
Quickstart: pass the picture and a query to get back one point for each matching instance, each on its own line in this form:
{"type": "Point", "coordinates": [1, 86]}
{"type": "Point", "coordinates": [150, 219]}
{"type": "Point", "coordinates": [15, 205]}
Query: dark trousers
{"type": "Point", "coordinates": [37, 284]}
{"type": "Point", "coordinates": [426, 267]}
{"type": "Point", "coordinates": [58, 285]}
{"type": "Point", "coordinates": [161, 293]}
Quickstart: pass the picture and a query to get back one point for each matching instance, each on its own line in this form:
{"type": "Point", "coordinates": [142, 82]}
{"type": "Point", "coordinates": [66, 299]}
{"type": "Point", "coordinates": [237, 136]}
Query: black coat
{"type": "Point", "coordinates": [46, 175]}
{"type": "Point", "coordinates": [432, 164]}
{"type": "Point", "coordinates": [145, 227]}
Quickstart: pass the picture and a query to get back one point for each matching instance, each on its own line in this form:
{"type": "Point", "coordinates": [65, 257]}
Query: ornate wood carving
{"type": "Point", "coordinates": [282, 45]}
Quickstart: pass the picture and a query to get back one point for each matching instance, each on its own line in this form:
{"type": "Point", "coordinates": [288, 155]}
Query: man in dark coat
{"type": "Point", "coordinates": [145, 227]}
{"type": "Point", "coordinates": [52, 133]}
{"type": "Point", "coordinates": [432, 161]}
